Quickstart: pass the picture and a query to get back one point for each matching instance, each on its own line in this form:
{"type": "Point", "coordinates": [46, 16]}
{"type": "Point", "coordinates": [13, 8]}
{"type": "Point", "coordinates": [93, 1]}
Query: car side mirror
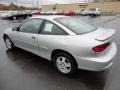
{"type": "Point", "coordinates": [15, 29]}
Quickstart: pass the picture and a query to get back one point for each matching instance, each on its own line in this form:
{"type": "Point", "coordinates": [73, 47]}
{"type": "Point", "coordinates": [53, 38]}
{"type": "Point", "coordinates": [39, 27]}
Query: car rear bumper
{"type": "Point", "coordinates": [97, 63]}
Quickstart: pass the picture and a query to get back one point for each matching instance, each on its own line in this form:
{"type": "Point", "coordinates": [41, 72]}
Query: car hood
{"type": "Point", "coordinates": [101, 34]}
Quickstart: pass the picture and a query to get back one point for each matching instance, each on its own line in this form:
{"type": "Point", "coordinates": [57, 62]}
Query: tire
{"type": "Point", "coordinates": [9, 43]}
{"type": "Point", "coordinates": [28, 17]}
{"type": "Point", "coordinates": [14, 18]}
{"type": "Point", "coordinates": [65, 64]}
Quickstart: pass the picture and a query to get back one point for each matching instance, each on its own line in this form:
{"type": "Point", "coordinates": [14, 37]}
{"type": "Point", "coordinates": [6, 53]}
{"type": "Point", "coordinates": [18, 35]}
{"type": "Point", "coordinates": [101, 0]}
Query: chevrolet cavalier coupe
{"type": "Point", "coordinates": [68, 42]}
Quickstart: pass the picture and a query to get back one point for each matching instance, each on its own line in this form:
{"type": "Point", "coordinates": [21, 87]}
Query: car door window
{"type": "Point", "coordinates": [31, 26]}
{"type": "Point", "coordinates": [52, 29]}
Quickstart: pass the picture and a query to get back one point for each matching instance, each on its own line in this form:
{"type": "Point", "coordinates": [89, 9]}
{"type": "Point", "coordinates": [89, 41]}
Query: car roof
{"type": "Point", "coordinates": [50, 17]}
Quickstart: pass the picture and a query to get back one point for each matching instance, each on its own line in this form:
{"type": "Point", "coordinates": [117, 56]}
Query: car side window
{"type": "Point", "coordinates": [52, 29]}
{"type": "Point", "coordinates": [31, 26]}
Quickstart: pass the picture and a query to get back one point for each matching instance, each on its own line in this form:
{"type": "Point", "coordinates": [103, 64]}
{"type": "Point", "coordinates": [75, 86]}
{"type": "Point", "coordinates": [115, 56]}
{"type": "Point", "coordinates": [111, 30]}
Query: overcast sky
{"type": "Point", "coordinates": [41, 2]}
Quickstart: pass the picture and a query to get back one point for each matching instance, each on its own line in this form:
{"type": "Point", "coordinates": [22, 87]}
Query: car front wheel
{"type": "Point", "coordinates": [27, 17]}
{"type": "Point", "coordinates": [14, 18]}
{"type": "Point", "coordinates": [65, 64]}
{"type": "Point", "coordinates": [9, 43]}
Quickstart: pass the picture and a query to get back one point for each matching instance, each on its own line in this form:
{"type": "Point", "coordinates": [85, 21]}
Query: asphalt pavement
{"type": "Point", "coordinates": [21, 70]}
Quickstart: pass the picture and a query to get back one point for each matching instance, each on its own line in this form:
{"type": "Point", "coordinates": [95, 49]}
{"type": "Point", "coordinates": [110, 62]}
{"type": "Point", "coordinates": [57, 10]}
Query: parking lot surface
{"type": "Point", "coordinates": [21, 70]}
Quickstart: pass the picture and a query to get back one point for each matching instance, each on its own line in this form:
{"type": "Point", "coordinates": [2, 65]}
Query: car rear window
{"type": "Point", "coordinates": [76, 25]}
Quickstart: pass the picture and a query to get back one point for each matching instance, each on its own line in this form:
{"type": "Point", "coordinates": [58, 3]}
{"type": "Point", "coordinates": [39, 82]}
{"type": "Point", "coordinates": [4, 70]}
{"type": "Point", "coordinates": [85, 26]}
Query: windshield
{"type": "Point", "coordinates": [77, 26]}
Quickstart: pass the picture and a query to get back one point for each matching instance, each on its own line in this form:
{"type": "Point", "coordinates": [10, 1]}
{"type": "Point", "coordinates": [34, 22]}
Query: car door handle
{"type": "Point", "coordinates": [33, 37]}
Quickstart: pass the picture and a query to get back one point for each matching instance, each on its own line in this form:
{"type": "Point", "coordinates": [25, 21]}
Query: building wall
{"type": "Point", "coordinates": [107, 6]}
{"type": "Point", "coordinates": [47, 7]}
{"type": "Point", "coordinates": [105, 0]}
{"type": "Point", "coordinates": [67, 6]}
{"type": "Point", "coordinates": [61, 6]}
{"type": "Point", "coordinates": [104, 6]}
{"type": "Point", "coordinates": [3, 7]}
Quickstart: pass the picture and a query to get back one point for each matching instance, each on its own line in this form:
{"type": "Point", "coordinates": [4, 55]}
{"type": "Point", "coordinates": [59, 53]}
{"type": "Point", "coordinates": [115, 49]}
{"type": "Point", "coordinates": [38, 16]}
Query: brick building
{"type": "Point", "coordinates": [4, 7]}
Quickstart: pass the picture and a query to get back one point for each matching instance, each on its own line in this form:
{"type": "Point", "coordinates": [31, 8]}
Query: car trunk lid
{"type": "Point", "coordinates": [102, 34]}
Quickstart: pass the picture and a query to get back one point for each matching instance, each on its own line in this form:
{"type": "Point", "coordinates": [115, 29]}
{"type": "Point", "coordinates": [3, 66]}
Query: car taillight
{"type": "Point", "coordinates": [101, 48]}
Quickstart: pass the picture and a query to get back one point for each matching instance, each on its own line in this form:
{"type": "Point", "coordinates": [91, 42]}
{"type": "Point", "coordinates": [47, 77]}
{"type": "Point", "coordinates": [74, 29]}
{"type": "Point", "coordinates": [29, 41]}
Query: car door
{"type": "Point", "coordinates": [49, 37]}
{"type": "Point", "coordinates": [27, 35]}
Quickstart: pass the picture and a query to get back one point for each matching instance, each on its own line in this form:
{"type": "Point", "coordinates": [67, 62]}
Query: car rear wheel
{"type": "Point", "coordinates": [65, 64]}
{"type": "Point", "coordinates": [9, 43]}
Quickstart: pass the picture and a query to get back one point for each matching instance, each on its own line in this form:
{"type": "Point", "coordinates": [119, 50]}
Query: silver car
{"type": "Point", "coordinates": [68, 42]}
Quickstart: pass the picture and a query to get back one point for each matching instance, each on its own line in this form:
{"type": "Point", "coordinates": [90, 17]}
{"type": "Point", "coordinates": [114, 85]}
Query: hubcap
{"type": "Point", "coordinates": [63, 64]}
{"type": "Point", "coordinates": [28, 17]}
{"type": "Point", "coordinates": [8, 43]}
{"type": "Point", "coordinates": [14, 18]}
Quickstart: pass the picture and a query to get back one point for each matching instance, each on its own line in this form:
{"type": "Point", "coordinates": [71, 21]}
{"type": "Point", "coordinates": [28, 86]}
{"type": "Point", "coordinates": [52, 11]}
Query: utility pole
{"type": "Point", "coordinates": [32, 4]}
{"type": "Point", "coordinates": [16, 2]}
{"type": "Point", "coordinates": [38, 4]}
{"type": "Point", "coordinates": [85, 3]}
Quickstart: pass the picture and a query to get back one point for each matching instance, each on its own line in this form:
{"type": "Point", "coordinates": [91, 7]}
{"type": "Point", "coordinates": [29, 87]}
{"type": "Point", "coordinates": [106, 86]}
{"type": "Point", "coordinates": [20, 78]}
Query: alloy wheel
{"type": "Point", "coordinates": [63, 64]}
